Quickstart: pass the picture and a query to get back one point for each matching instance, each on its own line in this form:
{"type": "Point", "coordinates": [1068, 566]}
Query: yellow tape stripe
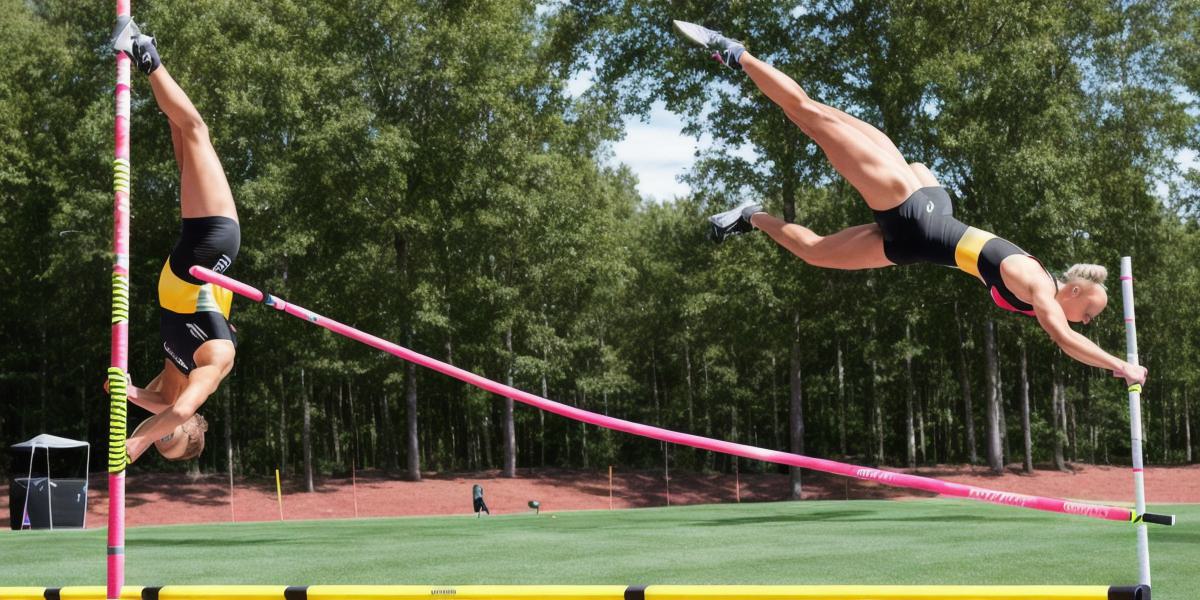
{"type": "Point", "coordinates": [117, 414]}
{"type": "Point", "coordinates": [120, 298]}
{"type": "Point", "coordinates": [966, 253]}
{"type": "Point", "coordinates": [1135, 388]}
{"type": "Point", "coordinates": [120, 175]}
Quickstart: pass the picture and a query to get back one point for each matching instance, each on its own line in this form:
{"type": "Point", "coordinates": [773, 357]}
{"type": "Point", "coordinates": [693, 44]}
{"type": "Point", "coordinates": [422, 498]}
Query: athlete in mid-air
{"type": "Point", "coordinates": [914, 218]}
{"type": "Point", "coordinates": [197, 340]}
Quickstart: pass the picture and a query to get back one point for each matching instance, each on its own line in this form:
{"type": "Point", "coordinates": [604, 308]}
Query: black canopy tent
{"type": "Point", "coordinates": [25, 497]}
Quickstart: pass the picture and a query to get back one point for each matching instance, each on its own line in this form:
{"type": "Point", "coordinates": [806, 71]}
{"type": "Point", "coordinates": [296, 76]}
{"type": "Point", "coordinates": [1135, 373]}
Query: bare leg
{"type": "Point", "coordinates": [885, 144]}
{"type": "Point", "coordinates": [203, 189]}
{"type": "Point", "coordinates": [876, 136]}
{"type": "Point", "coordinates": [858, 247]}
{"type": "Point", "coordinates": [880, 174]}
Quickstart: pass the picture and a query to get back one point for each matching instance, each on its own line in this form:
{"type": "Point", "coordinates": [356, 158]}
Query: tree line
{"type": "Point", "coordinates": [423, 171]}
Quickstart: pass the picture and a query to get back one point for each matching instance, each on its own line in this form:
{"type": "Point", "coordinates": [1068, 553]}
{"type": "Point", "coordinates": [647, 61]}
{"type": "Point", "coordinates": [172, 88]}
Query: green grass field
{"type": "Point", "coordinates": [862, 542]}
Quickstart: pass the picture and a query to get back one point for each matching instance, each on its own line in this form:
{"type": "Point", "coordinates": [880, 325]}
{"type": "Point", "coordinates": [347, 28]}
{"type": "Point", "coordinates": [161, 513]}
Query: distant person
{"type": "Point", "coordinates": [914, 218]}
{"type": "Point", "coordinates": [477, 496]}
{"type": "Point", "coordinates": [198, 342]}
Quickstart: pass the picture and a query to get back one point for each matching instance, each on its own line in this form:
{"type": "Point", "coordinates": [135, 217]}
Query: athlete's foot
{"type": "Point", "coordinates": [140, 48]}
{"type": "Point", "coordinates": [732, 222]}
{"type": "Point", "coordinates": [724, 50]}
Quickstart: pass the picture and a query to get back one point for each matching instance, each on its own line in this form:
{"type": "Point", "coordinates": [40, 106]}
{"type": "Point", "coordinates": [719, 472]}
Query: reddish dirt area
{"type": "Point", "coordinates": [157, 499]}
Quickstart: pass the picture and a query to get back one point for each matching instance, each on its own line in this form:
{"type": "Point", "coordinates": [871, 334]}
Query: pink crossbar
{"type": "Point", "coordinates": [891, 478]}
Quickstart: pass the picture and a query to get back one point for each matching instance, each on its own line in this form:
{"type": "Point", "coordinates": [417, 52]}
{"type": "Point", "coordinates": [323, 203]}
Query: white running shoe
{"type": "Point", "coordinates": [725, 50]}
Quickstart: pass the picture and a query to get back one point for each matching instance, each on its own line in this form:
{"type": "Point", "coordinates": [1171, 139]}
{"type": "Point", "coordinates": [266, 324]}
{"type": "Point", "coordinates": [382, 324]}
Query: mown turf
{"type": "Point", "coordinates": [864, 542]}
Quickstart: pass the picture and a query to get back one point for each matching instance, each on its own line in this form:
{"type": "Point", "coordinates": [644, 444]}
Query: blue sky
{"type": "Point", "coordinates": [658, 151]}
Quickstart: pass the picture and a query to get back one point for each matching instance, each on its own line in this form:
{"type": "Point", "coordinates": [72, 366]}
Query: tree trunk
{"type": "Point", "coordinates": [1167, 439]}
{"type": "Point", "coordinates": [542, 423]}
{"type": "Point", "coordinates": [387, 439]}
{"type": "Point", "coordinates": [283, 430]}
{"type": "Point", "coordinates": [687, 360]}
{"type": "Point", "coordinates": [909, 434]}
{"type": "Point", "coordinates": [1069, 410]}
{"type": "Point", "coordinates": [583, 441]}
{"type": "Point", "coordinates": [776, 441]}
{"type": "Point", "coordinates": [841, 379]}
{"type": "Point", "coordinates": [229, 432]}
{"type": "Point", "coordinates": [356, 454]}
{"type": "Point", "coordinates": [654, 384]}
{"type": "Point", "coordinates": [1000, 402]}
{"type": "Point", "coordinates": [1056, 400]}
{"type": "Point", "coordinates": [876, 412]}
{"type": "Point", "coordinates": [510, 432]}
{"type": "Point", "coordinates": [921, 429]}
{"type": "Point", "coordinates": [334, 417]}
{"type": "Point", "coordinates": [374, 429]}
{"type": "Point", "coordinates": [994, 451]}
{"type": "Point", "coordinates": [410, 404]}
{"type": "Point", "coordinates": [964, 383]}
{"type": "Point", "coordinates": [542, 413]}
{"type": "Point", "coordinates": [306, 435]}
{"type": "Point", "coordinates": [796, 415]}
{"type": "Point", "coordinates": [1187, 424]}
{"type": "Point", "coordinates": [1025, 413]}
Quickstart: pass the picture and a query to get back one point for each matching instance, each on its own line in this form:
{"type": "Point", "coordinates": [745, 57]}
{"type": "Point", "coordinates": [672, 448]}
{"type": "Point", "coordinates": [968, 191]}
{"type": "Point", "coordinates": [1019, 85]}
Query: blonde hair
{"type": "Point", "coordinates": [1086, 272]}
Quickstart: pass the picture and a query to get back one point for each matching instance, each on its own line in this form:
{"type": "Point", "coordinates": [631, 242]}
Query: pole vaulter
{"type": "Point", "coordinates": [937, 486]}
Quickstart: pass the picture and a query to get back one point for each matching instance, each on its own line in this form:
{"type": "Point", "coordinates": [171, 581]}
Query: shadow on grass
{"type": "Point", "coordinates": [833, 515]}
{"type": "Point", "coordinates": [201, 542]}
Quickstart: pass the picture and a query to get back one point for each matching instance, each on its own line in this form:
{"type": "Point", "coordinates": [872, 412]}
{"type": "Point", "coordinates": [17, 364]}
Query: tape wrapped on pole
{"type": "Point", "coordinates": [119, 350]}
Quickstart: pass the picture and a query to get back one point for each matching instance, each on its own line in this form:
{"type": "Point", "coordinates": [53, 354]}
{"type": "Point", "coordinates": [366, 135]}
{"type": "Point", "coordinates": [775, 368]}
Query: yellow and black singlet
{"type": "Point", "coordinates": [191, 311]}
{"type": "Point", "coordinates": [923, 229]}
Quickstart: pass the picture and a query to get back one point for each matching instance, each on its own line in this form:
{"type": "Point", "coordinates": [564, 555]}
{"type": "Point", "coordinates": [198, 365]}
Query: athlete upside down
{"type": "Point", "coordinates": [197, 340]}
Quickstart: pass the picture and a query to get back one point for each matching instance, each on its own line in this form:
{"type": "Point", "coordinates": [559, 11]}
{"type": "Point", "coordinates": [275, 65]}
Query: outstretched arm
{"type": "Point", "coordinates": [214, 360]}
{"type": "Point", "coordinates": [1052, 319]}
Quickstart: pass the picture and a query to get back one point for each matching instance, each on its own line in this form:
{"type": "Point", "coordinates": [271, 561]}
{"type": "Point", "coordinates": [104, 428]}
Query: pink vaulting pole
{"type": "Point", "coordinates": [891, 478]}
{"type": "Point", "coordinates": [119, 365]}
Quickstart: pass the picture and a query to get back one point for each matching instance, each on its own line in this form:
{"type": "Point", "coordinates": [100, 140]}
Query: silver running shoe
{"type": "Point", "coordinates": [732, 222]}
{"type": "Point", "coordinates": [140, 48]}
{"type": "Point", "coordinates": [724, 50]}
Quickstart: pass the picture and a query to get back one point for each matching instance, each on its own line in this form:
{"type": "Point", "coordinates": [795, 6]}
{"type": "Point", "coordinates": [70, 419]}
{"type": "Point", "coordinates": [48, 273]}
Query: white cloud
{"type": "Point", "coordinates": [658, 152]}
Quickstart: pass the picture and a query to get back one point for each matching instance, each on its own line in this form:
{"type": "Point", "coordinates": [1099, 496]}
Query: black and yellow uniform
{"type": "Point", "coordinates": [192, 311]}
{"type": "Point", "coordinates": [923, 229]}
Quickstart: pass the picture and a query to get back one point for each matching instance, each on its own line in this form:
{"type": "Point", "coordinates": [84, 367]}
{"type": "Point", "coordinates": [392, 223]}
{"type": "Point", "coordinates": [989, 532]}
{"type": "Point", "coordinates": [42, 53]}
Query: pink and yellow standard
{"type": "Point", "coordinates": [892, 478]}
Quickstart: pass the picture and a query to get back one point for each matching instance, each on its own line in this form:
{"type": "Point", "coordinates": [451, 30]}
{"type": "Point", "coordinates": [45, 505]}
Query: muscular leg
{"type": "Point", "coordinates": [858, 247]}
{"type": "Point", "coordinates": [880, 174]}
{"type": "Point", "coordinates": [204, 191]}
{"type": "Point", "coordinates": [876, 136]}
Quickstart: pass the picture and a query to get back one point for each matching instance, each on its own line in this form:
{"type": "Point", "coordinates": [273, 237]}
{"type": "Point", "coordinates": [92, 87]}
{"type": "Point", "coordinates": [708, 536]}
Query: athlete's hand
{"type": "Point", "coordinates": [130, 390]}
{"type": "Point", "coordinates": [1131, 373]}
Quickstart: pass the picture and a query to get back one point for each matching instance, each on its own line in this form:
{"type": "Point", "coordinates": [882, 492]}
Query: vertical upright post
{"type": "Point", "coordinates": [279, 494]}
{"type": "Point", "coordinates": [354, 487]}
{"type": "Point", "coordinates": [1135, 421]}
{"type": "Point", "coordinates": [119, 351]}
